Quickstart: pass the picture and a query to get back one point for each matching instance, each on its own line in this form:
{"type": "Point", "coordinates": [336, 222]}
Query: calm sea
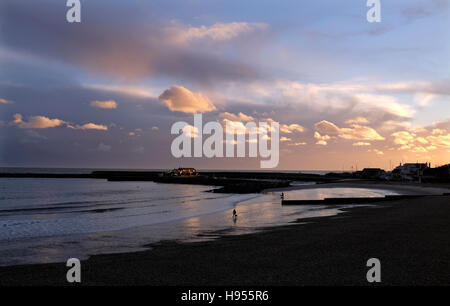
{"type": "Point", "coordinates": [51, 220]}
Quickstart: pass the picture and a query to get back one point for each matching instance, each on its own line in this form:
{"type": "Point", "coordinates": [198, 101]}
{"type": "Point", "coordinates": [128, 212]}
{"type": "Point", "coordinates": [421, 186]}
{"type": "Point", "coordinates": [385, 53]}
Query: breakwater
{"type": "Point", "coordinates": [229, 182]}
{"type": "Point", "coordinates": [354, 200]}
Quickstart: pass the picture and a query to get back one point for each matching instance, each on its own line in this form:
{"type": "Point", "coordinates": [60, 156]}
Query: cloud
{"type": "Point", "coordinates": [37, 122]}
{"type": "Point", "coordinates": [297, 144]}
{"type": "Point", "coordinates": [239, 117]}
{"type": "Point", "coordinates": [359, 132]}
{"type": "Point", "coordinates": [387, 103]}
{"type": "Point", "coordinates": [355, 132]}
{"type": "Point", "coordinates": [89, 126]}
{"type": "Point", "coordinates": [403, 138]}
{"type": "Point", "coordinates": [423, 99]}
{"type": "Point", "coordinates": [376, 151]}
{"type": "Point", "coordinates": [136, 132]}
{"type": "Point", "coordinates": [419, 149]}
{"type": "Point", "coordinates": [4, 101]}
{"type": "Point", "coordinates": [423, 139]}
{"type": "Point", "coordinates": [180, 99]}
{"type": "Point", "coordinates": [391, 125]}
{"type": "Point", "coordinates": [357, 120]}
{"type": "Point", "coordinates": [155, 128]}
{"type": "Point", "coordinates": [322, 140]}
{"type": "Point", "coordinates": [134, 91]}
{"type": "Point", "coordinates": [360, 144]}
{"type": "Point", "coordinates": [31, 136]}
{"type": "Point", "coordinates": [356, 98]}
{"type": "Point", "coordinates": [110, 104]}
{"type": "Point", "coordinates": [438, 132]}
{"type": "Point", "coordinates": [284, 128]}
{"type": "Point", "coordinates": [283, 139]}
{"type": "Point", "coordinates": [237, 127]}
{"type": "Point", "coordinates": [131, 48]}
{"type": "Point", "coordinates": [436, 88]}
{"type": "Point", "coordinates": [215, 32]}
{"type": "Point", "coordinates": [327, 127]}
{"type": "Point", "coordinates": [190, 131]}
{"type": "Point", "coordinates": [426, 9]}
{"type": "Point", "coordinates": [149, 52]}
{"type": "Point", "coordinates": [440, 140]}
{"type": "Point", "coordinates": [42, 122]}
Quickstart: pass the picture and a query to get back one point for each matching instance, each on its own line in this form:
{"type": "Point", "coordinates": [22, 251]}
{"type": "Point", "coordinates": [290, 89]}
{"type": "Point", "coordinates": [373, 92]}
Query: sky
{"type": "Point", "coordinates": [104, 93]}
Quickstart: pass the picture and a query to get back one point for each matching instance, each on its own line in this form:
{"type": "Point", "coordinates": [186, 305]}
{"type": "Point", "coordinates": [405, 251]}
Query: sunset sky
{"type": "Point", "coordinates": [105, 92]}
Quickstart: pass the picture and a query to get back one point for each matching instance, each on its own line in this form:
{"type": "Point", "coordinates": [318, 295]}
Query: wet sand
{"type": "Point", "coordinates": [410, 238]}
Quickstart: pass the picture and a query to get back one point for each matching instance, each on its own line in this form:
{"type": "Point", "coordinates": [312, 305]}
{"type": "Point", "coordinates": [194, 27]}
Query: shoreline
{"type": "Point", "coordinates": [243, 182]}
{"type": "Point", "coordinates": [409, 236]}
{"type": "Point", "coordinates": [411, 188]}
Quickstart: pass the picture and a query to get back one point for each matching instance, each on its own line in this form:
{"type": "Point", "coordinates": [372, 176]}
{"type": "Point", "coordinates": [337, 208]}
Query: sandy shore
{"type": "Point", "coordinates": [410, 237]}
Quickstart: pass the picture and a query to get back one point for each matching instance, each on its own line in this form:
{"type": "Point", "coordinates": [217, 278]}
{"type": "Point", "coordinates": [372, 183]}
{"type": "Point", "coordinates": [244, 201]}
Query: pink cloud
{"type": "Point", "coordinates": [37, 122]}
{"type": "Point", "coordinates": [110, 104]}
{"type": "Point", "coordinates": [42, 122]}
{"type": "Point", "coordinates": [178, 98]}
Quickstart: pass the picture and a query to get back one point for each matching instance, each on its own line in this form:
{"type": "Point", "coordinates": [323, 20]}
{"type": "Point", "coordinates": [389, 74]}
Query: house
{"type": "Point", "coordinates": [410, 171]}
{"type": "Point", "coordinates": [183, 172]}
{"type": "Point", "coordinates": [373, 173]}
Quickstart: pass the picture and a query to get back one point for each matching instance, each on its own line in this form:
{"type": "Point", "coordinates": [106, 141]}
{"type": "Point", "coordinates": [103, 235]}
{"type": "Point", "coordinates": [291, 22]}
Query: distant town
{"type": "Point", "coordinates": [407, 172]}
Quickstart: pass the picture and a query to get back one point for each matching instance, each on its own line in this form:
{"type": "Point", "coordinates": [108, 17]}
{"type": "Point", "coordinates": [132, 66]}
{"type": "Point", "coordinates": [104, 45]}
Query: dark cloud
{"type": "Point", "coordinates": [109, 42]}
{"type": "Point", "coordinates": [424, 9]}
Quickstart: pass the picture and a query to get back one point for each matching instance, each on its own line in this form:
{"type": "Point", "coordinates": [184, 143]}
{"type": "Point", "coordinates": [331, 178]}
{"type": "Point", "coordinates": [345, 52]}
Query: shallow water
{"type": "Point", "coordinates": [51, 220]}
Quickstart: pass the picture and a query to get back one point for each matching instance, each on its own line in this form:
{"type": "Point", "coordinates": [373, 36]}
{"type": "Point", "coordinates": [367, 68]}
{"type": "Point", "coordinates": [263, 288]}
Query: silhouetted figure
{"type": "Point", "coordinates": [234, 215]}
{"type": "Point", "coordinates": [282, 195]}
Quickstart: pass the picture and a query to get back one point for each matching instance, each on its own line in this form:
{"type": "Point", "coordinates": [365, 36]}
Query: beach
{"type": "Point", "coordinates": [48, 220]}
{"type": "Point", "coordinates": [409, 237]}
{"type": "Point", "coordinates": [224, 143]}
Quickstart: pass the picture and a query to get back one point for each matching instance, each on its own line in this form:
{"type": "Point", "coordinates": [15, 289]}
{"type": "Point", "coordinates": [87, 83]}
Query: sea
{"type": "Point", "coordinates": [45, 220]}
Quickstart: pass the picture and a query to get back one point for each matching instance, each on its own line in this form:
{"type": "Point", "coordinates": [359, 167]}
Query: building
{"type": "Point", "coordinates": [410, 171]}
{"type": "Point", "coordinates": [441, 173]}
{"type": "Point", "coordinates": [373, 173]}
{"type": "Point", "coordinates": [183, 172]}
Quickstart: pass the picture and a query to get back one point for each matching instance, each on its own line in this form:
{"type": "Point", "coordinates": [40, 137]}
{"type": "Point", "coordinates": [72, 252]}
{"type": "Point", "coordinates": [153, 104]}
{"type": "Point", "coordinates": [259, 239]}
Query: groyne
{"type": "Point", "coordinates": [354, 200]}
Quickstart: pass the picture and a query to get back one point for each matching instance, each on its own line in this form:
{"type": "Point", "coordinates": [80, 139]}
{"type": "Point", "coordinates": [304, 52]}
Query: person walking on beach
{"type": "Point", "coordinates": [282, 195]}
{"type": "Point", "coordinates": [234, 213]}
